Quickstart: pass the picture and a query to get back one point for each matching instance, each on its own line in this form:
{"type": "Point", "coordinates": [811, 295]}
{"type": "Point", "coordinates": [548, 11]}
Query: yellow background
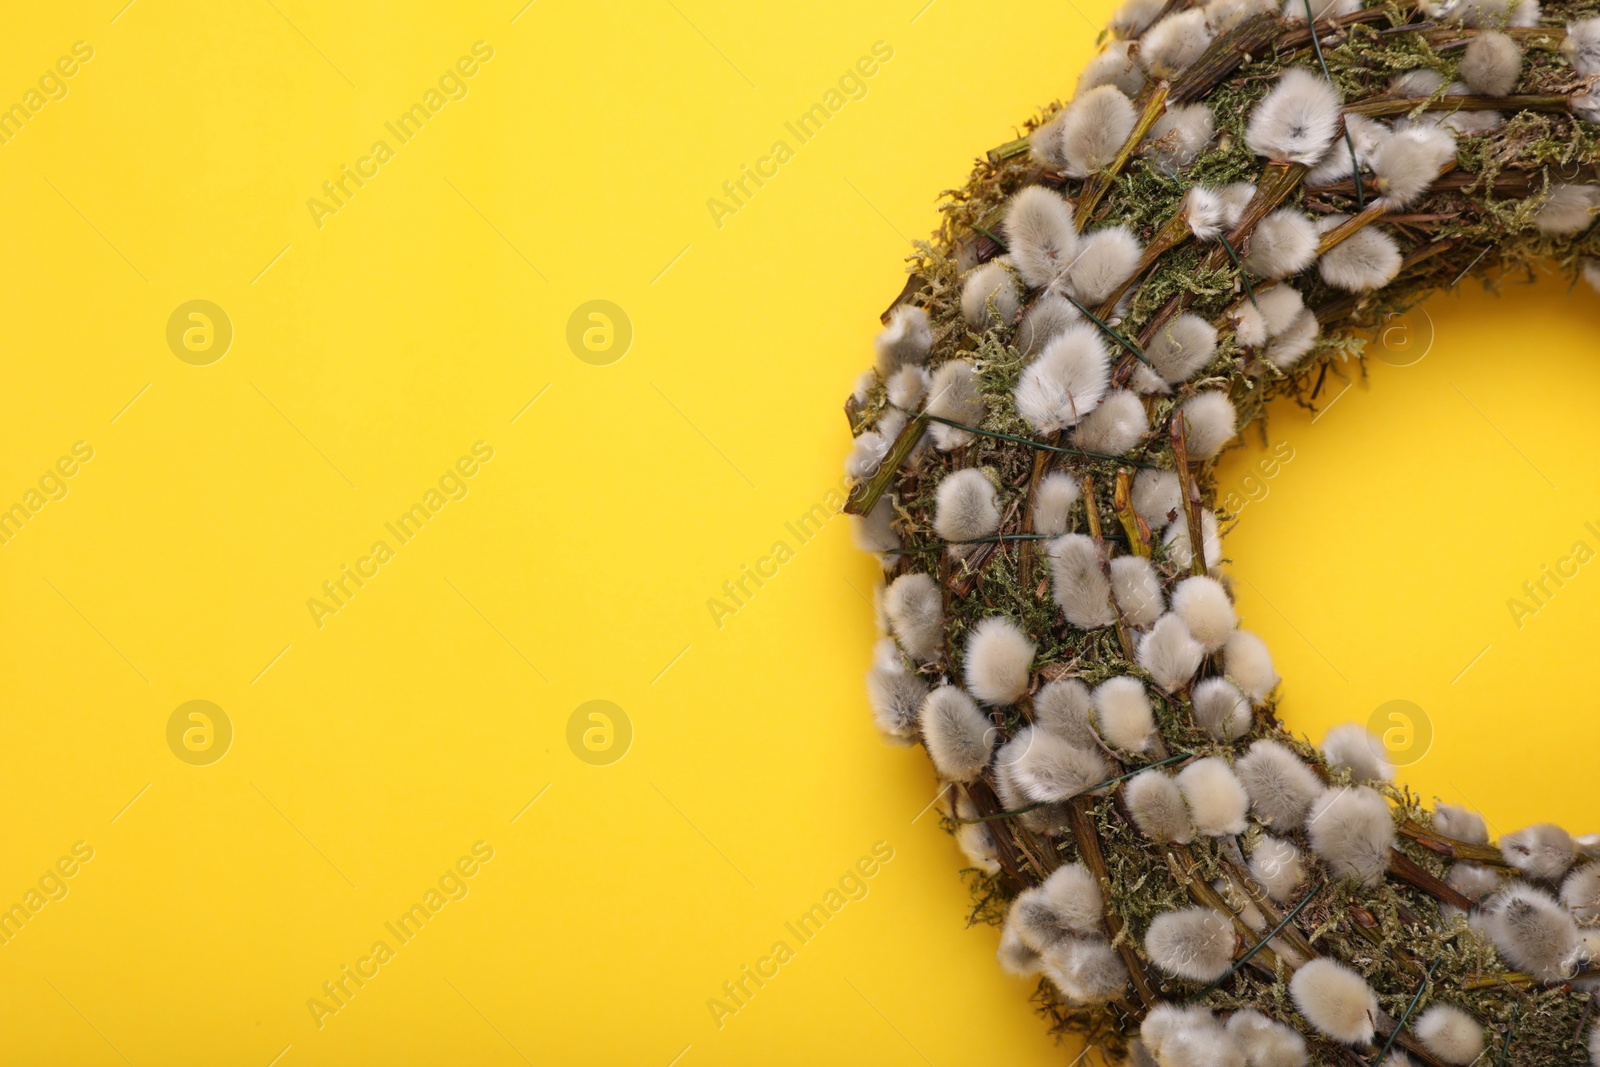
{"type": "Point", "coordinates": [425, 716]}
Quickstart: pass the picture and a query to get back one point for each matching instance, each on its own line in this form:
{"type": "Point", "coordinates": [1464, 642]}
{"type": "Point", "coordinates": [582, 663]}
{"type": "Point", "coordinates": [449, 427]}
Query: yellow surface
{"type": "Point", "coordinates": [417, 738]}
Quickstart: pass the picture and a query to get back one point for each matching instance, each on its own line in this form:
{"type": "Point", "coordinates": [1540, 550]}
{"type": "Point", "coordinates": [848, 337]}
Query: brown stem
{"type": "Point", "coordinates": [1226, 55]}
{"type": "Point", "coordinates": [1451, 848]}
{"type": "Point", "coordinates": [1092, 511]}
{"type": "Point", "coordinates": [1080, 816]}
{"type": "Point", "coordinates": [1041, 465]}
{"type": "Point", "coordinates": [864, 497]}
{"type": "Point", "coordinates": [1009, 150]}
{"type": "Point", "coordinates": [1133, 523]}
{"type": "Point", "coordinates": [1170, 236]}
{"type": "Point", "coordinates": [1006, 850]}
{"type": "Point", "coordinates": [1348, 228]}
{"type": "Point", "coordinates": [1519, 979]}
{"type": "Point", "coordinates": [1190, 491]}
{"type": "Point", "coordinates": [914, 284]}
{"type": "Point", "coordinates": [1099, 183]}
{"type": "Point", "coordinates": [1408, 870]}
{"type": "Point", "coordinates": [1265, 960]}
{"type": "Point", "coordinates": [1389, 105]}
{"type": "Point", "coordinates": [1515, 182]}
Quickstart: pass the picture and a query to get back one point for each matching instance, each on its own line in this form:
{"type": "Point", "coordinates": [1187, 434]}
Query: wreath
{"type": "Point", "coordinates": [1234, 198]}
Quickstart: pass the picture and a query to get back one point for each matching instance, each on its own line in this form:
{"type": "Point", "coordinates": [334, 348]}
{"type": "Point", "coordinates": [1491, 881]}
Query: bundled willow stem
{"type": "Point", "coordinates": [1231, 201]}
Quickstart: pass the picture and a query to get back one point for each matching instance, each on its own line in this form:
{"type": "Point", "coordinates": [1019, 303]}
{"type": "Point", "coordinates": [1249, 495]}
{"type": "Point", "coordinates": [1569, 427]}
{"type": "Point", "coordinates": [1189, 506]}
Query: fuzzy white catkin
{"type": "Point", "coordinates": [1114, 427]}
{"type": "Point", "coordinates": [1336, 1000]}
{"type": "Point", "coordinates": [1115, 67]}
{"type": "Point", "coordinates": [1088, 133]}
{"type": "Point", "coordinates": [1298, 338]}
{"type": "Point", "coordinates": [908, 386]}
{"type": "Point", "coordinates": [1545, 851]}
{"type": "Point", "coordinates": [1213, 422]}
{"type": "Point", "coordinates": [1179, 136]}
{"type": "Point", "coordinates": [1016, 958]}
{"type": "Point", "coordinates": [1176, 541]}
{"type": "Point", "coordinates": [1277, 867]}
{"type": "Point", "coordinates": [1194, 943]}
{"type": "Point", "coordinates": [1123, 711]}
{"type": "Point", "coordinates": [1279, 306]}
{"type": "Point", "coordinates": [1089, 972]}
{"type": "Point", "coordinates": [1156, 497]}
{"type": "Point", "coordinates": [1407, 163]}
{"type": "Point", "coordinates": [1492, 64]}
{"type": "Point", "coordinates": [1215, 796]}
{"type": "Point", "coordinates": [954, 395]}
{"type": "Point", "coordinates": [1461, 824]}
{"type": "Point", "coordinates": [1106, 258]}
{"type": "Point", "coordinates": [1472, 880]}
{"type": "Point", "coordinates": [915, 609]}
{"type": "Point", "coordinates": [1532, 931]}
{"type": "Point", "coordinates": [906, 340]}
{"type": "Point", "coordinates": [1569, 210]}
{"type": "Point", "coordinates": [1224, 15]}
{"type": "Point", "coordinates": [1582, 46]}
{"type": "Point", "coordinates": [1352, 829]}
{"type": "Point", "coordinates": [1169, 653]}
{"type": "Point", "coordinates": [894, 693]}
{"type": "Point", "coordinates": [1074, 894]}
{"type": "Point", "coordinates": [1079, 584]}
{"type": "Point", "coordinates": [1594, 1046]}
{"type": "Point", "coordinates": [1450, 1034]}
{"type": "Point", "coordinates": [866, 454]}
{"type": "Point", "coordinates": [1295, 10]}
{"type": "Point", "coordinates": [1066, 382]}
{"type": "Point", "coordinates": [1247, 662]}
{"type": "Point", "coordinates": [1366, 260]}
{"type": "Point", "coordinates": [1053, 501]}
{"type": "Point", "coordinates": [1135, 16]}
{"type": "Point", "coordinates": [1040, 234]}
{"type": "Point", "coordinates": [1204, 212]}
{"type": "Point", "coordinates": [990, 295]}
{"type": "Point", "coordinates": [874, 532]}
{"type": "Point", "coordinates": [1267, 1043]}
{"type": "Point", "coordinates": [977, 844]}
{"type": "Point", "coordinates": [1182, 347]}
{"type": "Point", "coordinates": [1065, 708]}
{"type": "Point", "coordinates": [1172, 45]}
{"type": "Point", "coordinates": [1581, 893]}
{"type": "Point", "coordinates": [1205, 609]}
{"type": "Point", "coordinates": [1297, 120]}
{"type": "Point", "coordinates": [1157, 807]}
{"type": "Point", "coordinates": [1137, 589]}
{"type": "Point", "coordinates": [966, 506]}
{"type": "Point", "coordinates": [1281, 787]}
{"type": "Point", "coordinates": [1350, 747]}
{"type": "Point", "coordinates": [958, 737]}
{"type": "Point", "coordinates": [998, 658]}
{"type": "Point", "coordinates": [1167, 1020]}
{"type": "Point", "coordinates": [1365, 137]}
{"type": "Point", "coordinates": [1035, 919]}
{"type": "Point", "coordinates": [1048, 768]}
{"type": "Point", "coordinates": [1221, 710]}
{"type": "Point", "coordinates": [1284, 243]}
{"type": "Point", "coordinates": [1050, 315]}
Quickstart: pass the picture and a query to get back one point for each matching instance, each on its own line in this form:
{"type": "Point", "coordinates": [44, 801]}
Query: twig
{"type": "Point", "coordinates": [1099, 183]}
{"type": "Point", "coordinates": [1079, 816]}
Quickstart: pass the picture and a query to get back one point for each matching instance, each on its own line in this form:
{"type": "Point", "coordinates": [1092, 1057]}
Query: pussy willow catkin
{"type": "Point", "coordinates": [1224, 207]}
